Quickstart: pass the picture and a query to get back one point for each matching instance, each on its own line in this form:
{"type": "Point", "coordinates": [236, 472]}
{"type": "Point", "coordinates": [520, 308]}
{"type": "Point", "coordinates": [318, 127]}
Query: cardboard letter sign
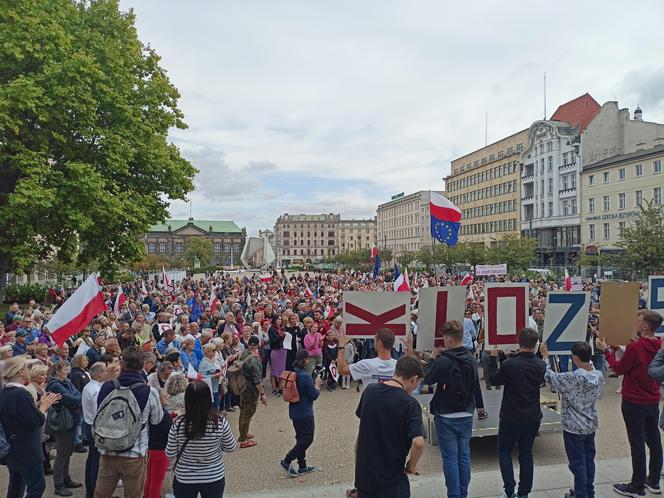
{"type": "Point", "coordinates": [566, 320]}
{"type": "Point", "coordinates": [366, 312]}
{"type": "Point", "coordinates": [618, 304]}
{"type": "Point", "coordinates": [437, 305]}
{"type": "Point", "coordinates": [656, 297]}
{"type": "Point", "coordinates": [506, 312]}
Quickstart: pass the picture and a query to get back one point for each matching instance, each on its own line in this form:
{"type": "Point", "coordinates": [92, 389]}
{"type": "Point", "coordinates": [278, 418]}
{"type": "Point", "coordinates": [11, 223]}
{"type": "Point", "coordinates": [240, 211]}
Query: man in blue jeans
{"type": "Point", "coordinates": [520, 411]}
{"type": "Point", "coordinates": [453, 405]}
{"type": "Point", "coordinates": [579, 390]}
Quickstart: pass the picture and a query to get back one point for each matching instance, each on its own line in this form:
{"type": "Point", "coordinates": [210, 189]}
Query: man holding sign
{"type": "Point", "coordinates": [640, 404]}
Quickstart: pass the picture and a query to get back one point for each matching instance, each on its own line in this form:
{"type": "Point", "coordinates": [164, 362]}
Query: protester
{"type": "Point", "coordinates": [276, 334]}
{"type": "Point", "coordinates": [250, 396]}
{"type": "Point", "coordinates": [22, 421]}
{"type": "Point", "coordinates": [159, 378]}
{"type": "Point", "coordinates": [520, 412]}
{"type": "Point", "coordinates": [157, 460]}
{"type": "Point", "coordinates": [313, 343]}
{"type": "Point", "coordinates": [79, 378]}
{"type": "Point", "coordinates": [89, 408]}
{"type": "Point", "coordinates": [579, 390]}
{"type": "Point", "coordinates": [196, 443]}
{"type": "Point", "coordinates": [302, 415]}
{"type": "Point", "coordinates": [127, 465]}
{"type": "Point", "coordinates": [381, 469]}
{"type": "Point", "coordinates": [209, 370]}
{"type": "Point", "coordinates": [640, 404]}
{"type": "Point", "coordinates": [371, 370]}
{"type": "Point", "coordinates": [175, 387]}
{"type": "Point", "coordinates": [453, 405]}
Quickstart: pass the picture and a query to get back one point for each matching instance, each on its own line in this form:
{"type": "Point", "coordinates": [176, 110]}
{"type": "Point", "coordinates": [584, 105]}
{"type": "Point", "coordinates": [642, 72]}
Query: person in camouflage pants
{"type": "Point", "coordinates": [250, 396]}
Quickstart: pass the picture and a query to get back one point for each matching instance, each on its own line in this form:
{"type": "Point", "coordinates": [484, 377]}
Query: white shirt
{"type": "Point", "coordinates": [89, 401]}
{"type": "Point", "coordinates": [373, 370]}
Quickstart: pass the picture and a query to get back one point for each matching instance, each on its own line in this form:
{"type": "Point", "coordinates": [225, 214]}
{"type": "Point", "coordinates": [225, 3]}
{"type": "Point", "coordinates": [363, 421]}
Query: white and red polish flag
{"type": "Point", "coordinates": [214, 299]}
{"type": "Point", "coordinates": [77, 311]}
{"type": "Point", "coordinates": [401, 284]}
{"type": "Point", "coordinates": [167, 281]}
{"type": "Point", "coordinates": [120, 299]}
{"type": "Point", "coordinates": [144, 290]}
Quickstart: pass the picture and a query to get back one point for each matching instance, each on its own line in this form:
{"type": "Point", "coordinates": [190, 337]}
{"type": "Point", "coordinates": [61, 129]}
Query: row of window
{"type": "Point", "coordinates": [492, 157]}
{"type": "Point", "coordinates": [606, 231]}
{"type": "Point", "coordinates": [567, 207]}
{"type": "Point", "coordinates": [489, 209]}
{"type": "Point", "coordinates": [306, 225]}
{"type": "Point", "coordinates": [400, 233]}
{"type": "Point", "coordinates": [622, 173]}
{"type": "Point", "coordinates": [308, 234]}
{"type": "Point", "coordinates": [486, 192]}
{"type": "Point", "coordinates": [488, 227]}
{"type": "Point", "coordinates": [287, 242]}
{"type": "Point", "coordinates": [162, 248]}
{"type": "Point", "coordinates": [622, 200]}
{"type": "Point", "coordinates": [484, 176]}
{"type": "Point", "coordinates": [306, 252]}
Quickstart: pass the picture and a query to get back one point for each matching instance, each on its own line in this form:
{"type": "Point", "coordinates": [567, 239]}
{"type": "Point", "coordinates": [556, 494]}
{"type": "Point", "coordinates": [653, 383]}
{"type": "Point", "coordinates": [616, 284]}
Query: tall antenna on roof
{"type": "Point", "coordinates": [545, 96]}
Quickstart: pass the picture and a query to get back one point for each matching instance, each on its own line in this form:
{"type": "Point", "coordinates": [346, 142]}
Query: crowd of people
{"type": "Point", "coordinates": [179, 357]}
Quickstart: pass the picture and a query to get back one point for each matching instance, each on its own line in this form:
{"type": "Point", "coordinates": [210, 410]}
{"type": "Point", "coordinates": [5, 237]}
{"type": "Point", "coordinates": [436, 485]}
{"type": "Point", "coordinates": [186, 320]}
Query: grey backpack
{"type": "Point", "coordinates": [118, 422]}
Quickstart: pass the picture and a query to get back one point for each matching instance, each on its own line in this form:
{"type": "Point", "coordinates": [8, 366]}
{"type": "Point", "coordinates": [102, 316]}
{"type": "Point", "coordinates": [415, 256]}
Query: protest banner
{"type": "Point", "coordinates": [506, 312]}
{"type": "Point", "coordinates": [618, 304]}
{"type": "Point", "coordinates": [366, 312]}
{"type": "Point", "coordinates": [487, 270]}
{"type": "Point", "coordinates": [656, 297]}
{"type": "Point", "coordinates": [436, 306]}
{"type": "Point", "coordinates": [577, 284]}
{"type": "Point", "coordinates": [566, 320]}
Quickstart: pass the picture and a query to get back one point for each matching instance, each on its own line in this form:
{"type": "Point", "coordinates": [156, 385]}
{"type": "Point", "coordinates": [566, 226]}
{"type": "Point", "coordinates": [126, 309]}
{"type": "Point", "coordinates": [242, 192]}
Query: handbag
{"type": "Point", "coordinates": [59, 420]}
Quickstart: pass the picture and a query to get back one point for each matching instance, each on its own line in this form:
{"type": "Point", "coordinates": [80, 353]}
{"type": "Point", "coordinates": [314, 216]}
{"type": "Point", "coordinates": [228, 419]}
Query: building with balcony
{"type": "Point", "coordinates": [305, 238]}
{"type": "Point", "coordinates": [550, 186]}
{"type": "Point", "coordinates": [485, 185]}
{"type": "Point", "coordinates": [404, 223]}
{"type": "Point", "coordinates": [354, 235]}
{"type": "Point", "coordinates": [613, 191]}
{"type": "Point", "coordinates": [169, 239]}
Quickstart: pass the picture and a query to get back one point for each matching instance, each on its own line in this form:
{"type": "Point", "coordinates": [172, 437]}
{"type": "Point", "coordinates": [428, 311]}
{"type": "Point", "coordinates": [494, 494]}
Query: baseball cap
{"type": "Point", "coordinates": [21, 333]}
{"type": "Point", "coordinates": [18, 318]}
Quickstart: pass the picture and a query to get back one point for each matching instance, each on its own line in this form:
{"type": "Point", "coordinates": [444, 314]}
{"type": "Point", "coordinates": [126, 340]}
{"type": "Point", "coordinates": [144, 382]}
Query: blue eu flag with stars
{"type": "Point", "coordinates": [446, 232]}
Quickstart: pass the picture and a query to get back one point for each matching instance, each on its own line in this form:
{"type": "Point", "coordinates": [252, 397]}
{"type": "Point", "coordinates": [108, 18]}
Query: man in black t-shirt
{"type": "Point", "coordinates": [390, 428]}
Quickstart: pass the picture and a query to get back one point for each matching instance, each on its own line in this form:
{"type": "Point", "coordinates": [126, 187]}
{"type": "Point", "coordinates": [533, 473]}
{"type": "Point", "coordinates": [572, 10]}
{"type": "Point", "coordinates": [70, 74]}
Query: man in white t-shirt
{"type": "Point", "coordinates": [371, 370]}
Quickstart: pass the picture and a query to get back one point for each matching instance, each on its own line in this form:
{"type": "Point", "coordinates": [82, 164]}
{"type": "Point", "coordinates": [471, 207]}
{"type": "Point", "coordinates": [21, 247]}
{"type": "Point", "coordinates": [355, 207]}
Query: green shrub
{"type": "Point", "coordinates": [22, 293]}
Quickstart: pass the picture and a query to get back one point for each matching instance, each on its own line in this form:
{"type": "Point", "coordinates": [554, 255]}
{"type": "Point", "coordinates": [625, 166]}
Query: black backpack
{"type": "Point", "coordinates": [459, 385]}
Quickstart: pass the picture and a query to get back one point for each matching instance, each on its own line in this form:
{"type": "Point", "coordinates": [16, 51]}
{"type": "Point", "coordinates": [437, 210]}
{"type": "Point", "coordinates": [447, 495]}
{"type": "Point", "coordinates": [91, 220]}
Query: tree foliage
{"type": "Point", "coordinates": [197, 248]}
{"type": "Point", "coordinates": [85, 110]}
{"type": "Point", "coordinates": [643, 240]}
{"type": "Point", "coordinates": [406, 258]}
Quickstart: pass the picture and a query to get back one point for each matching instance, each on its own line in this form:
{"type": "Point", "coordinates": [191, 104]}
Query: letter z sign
{"type": "Point", "coordinates": [565, 320]}
{"type": "Point", "coordinates": [506, 308]}
{"type": "Point", "coordinates": [656, 297]}
{"type": "Point", "coordinates": [438, 305]}
{"type": "Point", "coordinates": [366, 312]}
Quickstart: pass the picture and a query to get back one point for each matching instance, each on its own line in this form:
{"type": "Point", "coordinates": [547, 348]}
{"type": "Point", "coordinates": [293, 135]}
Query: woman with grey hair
{"type": "Point", "coordinates": [209, 370]}
{"type": "Point", "coordinates": [175, 388]}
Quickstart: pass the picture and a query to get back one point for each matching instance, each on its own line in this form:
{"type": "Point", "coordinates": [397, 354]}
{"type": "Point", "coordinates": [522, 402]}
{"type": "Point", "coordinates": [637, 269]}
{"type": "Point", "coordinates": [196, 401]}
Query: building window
{"type": "Point", "coordinates": [550, 209]}
{"type": "Point", "coordinates": [162, 247]}
{"type": "Point", "coordinates": [591, 232]}
{"type": "Point", "coordinates": [607, 231]}
{"type": "Point", "coordinates": [151, 247]}
{"type": "Point", "coordinates": [178, 247]}
{"type": "Point", "coordinates": [638, 198]}
{"type": "Point", "coordinates": [621, 174]}
{"type": "Point", "coordinates": [621, 200]}
{"type": "Point", "coordinates": [591, 180]}
{"type": "Point", "coordinates": [656, 167]}
{"type": "Point", "coordinates": [565, 208]}
{"type": "Point", "coordinates": [606, 203]}
{"type": "Point", "coordinates": [550, 186]}
{"type": "Point", "coordinates": [657, 195]}
{"type": "Point", "coordinates": [217, 247]}
{"type": "Point", "coordinates": [565, 183]}
{"type": "Point", "coordinates": [638, 170]}
{"type": "Point", "coordinates": [572, 182]}
{"type": "Point", "coordinates": [572, 206]}
{"type": "Point", "coordinates": [621, 228]}
{"type": "Point", "coordinates": [549, 163]}
{"type": "Point", "coordinates": [605, 177]}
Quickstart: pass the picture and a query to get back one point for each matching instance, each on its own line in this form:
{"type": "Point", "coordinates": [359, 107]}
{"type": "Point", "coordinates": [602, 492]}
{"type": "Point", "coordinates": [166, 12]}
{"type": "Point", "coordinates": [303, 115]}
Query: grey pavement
{"type": "Point", "coordinates": [550, 481]}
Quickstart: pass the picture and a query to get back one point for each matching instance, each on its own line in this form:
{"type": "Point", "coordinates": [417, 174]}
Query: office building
{"type": "Point", "coordinates": [354, 235]}
{"type": "Point", "coordinates": [305, 238]}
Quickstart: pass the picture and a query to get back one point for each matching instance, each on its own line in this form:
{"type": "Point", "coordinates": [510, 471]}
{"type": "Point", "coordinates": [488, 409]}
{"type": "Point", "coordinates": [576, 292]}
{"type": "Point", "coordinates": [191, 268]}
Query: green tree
{"type": "Point", "coordinates": [425, 257]}
{"type": "Point", "coordinates": [85, 110]}
{"type": "Point", "coordinates": [197, 248]}
{"type": "Point", "coordinates": [515, 250]}
{"type": "Point", "coordinates": [643, 240]}
{"type": "Point", "coordinates": [406, 258]}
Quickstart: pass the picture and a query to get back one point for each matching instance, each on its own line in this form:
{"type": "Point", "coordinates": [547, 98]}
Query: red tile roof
{"type": "Point", "coordinates": [578, 112]}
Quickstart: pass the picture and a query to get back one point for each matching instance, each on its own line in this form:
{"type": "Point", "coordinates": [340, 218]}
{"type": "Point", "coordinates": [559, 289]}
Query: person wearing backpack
{"type": "Point", "coordinates": [122, 441]}
{"type": "Point", "coordinates": [520, 410]}
{"type": "Point", "coordinates": [301, 412]}
{"type": "Point", "coordinates": [453, 404]}
{"type": "Point", "coordinates": [251, 372]}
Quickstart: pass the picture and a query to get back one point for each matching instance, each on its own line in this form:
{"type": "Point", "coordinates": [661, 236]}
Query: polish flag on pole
{"type": "Point", "coordinates": [265, 277]}
{"type": "Point", "coordinates": [77, 311]}
{"type": "Point", "coordinates": [568, 281]}
{"type": "Point", "coordinates": [167, 281]}
{"type": "Point", "coordinates": [470, 296]}
{"type": "Point", "coordinates": [144, 290]}
{"type": "Point", "coordinates": [120, 299]}
{"type": "Point", "coordinates": [467, 278]}
{"type": "Point", "coordinates": [401, 284]}
{"type": "Point", "coordinates": [192, 374]}
{"type": "Point", "coordinates": [308, 291]}
{"type": "Point", "coordinates": [214, 301]}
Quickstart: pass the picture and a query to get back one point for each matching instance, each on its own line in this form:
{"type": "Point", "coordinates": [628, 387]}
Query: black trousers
{"type": "Point", "coordinates": [402, 490]}
{"type": "Point", "coordinates": [642, 430]}
{"type": "Point", "coordinates": [304, 436]}
{"type": "Point", "coordinates": [191, 490]}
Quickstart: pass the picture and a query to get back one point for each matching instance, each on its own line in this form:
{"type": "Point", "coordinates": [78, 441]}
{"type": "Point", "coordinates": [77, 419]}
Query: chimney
{"type": "Point", "coordinates": [638, 114]}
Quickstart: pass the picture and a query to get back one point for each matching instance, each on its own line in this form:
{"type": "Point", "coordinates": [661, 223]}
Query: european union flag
{"type": "Point", "coordinates": [445, 231]}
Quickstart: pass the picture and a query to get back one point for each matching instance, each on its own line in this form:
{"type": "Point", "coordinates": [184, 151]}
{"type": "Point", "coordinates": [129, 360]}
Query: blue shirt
{"type": "Point", "coordinates": [469, 333]}
{"type": "Point", "coordinates": [186, 360]}
{"type": "Point", "coordinates": [308, 394]}
{"type": "Point", "coordinates": [162, 345]}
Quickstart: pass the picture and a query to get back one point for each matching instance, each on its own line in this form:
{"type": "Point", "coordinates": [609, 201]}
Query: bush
{"type": "Point", "coordinates": [23, 293]}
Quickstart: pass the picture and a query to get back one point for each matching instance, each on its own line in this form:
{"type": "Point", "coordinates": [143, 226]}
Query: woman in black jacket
{"type": "Point", "coordinates": [157, 459]}
{"type": "Point", "coordinates": [22, 422]}
{"type": "Point", "coordinates": [79, 376]}
{"type": "Point", "coordinates": [64, 440]}
{"type": "Point", "coordinates": [294, 329]}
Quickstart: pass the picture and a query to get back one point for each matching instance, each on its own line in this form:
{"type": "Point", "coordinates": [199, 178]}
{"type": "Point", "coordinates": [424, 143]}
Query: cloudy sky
{"type": "Point", "coordinates": [317, 107]}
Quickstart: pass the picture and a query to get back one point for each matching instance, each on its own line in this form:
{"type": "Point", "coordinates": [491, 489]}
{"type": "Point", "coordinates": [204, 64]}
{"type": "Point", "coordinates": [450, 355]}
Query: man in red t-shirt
{"type": "Point", "coordinates": [640, 404]}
